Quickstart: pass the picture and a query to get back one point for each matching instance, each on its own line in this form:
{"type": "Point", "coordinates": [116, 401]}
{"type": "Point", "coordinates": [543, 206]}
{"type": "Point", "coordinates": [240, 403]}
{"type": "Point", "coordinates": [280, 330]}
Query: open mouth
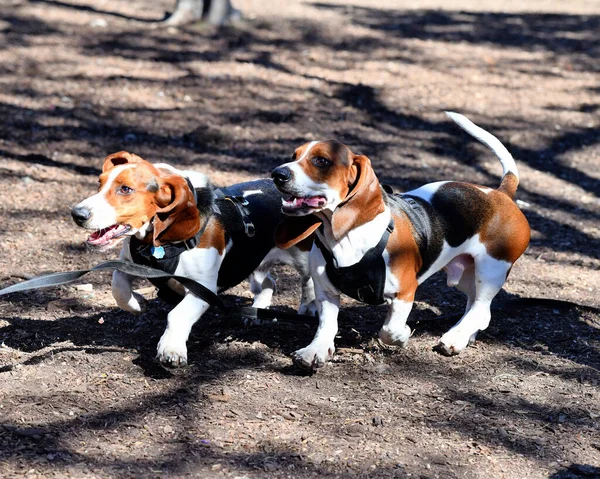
{"type": "Point", "coordinates": [106, 236]}
{"type": "Point", "coordinates": [293, 204]}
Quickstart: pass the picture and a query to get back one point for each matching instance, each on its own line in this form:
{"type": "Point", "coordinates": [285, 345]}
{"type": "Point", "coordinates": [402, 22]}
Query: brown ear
{"type": "Point", "coordinates": [120, 158]}
{"type": "Point", "coordinates": [364, 201]}
{"type": "Point", "coordinates": [294, 229]}
{"type": "Point", "coordinates": [177, 217]}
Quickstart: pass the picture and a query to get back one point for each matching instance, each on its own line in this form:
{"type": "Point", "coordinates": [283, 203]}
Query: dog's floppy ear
{"type": "Point", "coordinates": [364, 201]}
{"type": "Point", "coordinates": [119, 158]}
{"type": "Point", "coordinates": [293, 229]}
{"type": "Point", "coordinates": [177, 217]}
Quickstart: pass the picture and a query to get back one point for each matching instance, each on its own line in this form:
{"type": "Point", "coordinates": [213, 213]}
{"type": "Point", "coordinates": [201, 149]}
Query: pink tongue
{"type": "Point", "coordinates": [104, 235]}
{"type": "Point", "coordinates": [313, 201]}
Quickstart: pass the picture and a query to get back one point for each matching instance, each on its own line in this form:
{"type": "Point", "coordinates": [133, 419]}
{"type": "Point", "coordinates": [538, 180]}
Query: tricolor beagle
{"type": "Point", "coordinates": [474, 233]}
{"type": "Point", "coordinates": [176, 221]}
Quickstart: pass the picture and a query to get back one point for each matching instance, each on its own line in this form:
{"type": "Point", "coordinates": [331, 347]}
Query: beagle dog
{"type": "Point", "coordinates": [176, 221]}
{"type": "Point", "coordinates": [474, 233]}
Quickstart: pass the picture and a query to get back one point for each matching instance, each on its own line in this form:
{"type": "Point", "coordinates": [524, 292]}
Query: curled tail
{"type": "Point", "coordinates": [510, 177]}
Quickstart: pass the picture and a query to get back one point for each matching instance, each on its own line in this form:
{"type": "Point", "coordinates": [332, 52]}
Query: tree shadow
{"type": "Point", "coordinates": [480, 417]}
{"type": "Point", "coordinates": [570, 35]}
{"type": "Point", "coordinates": [576, 471]}
{"type": "Point", "coordinates": [87, 8]}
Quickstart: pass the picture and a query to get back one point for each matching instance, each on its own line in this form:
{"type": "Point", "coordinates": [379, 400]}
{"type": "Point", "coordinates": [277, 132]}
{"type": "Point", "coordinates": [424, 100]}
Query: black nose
{"type": "Point", "coordinates": [80, 215]}
{"type": "Point", "coordinates": [281, 175]}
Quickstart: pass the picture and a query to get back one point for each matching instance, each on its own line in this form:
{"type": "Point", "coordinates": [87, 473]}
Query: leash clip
{"type": "Point", "coordinates": [249, 227]}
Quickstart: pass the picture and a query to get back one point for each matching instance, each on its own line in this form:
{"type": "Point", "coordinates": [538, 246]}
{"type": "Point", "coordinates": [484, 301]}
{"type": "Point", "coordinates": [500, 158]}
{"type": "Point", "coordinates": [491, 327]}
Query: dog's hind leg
{"type": "Point", "coordinates": [467, 286]}
{"type": "Point", "coordinates": [126, 298]}
{"type": "Point", "coordinates": [489, 277]}
{"type": "Point", "coordinates": [308, 304]}
{"type": "Point", "coordinates": [122, 288]}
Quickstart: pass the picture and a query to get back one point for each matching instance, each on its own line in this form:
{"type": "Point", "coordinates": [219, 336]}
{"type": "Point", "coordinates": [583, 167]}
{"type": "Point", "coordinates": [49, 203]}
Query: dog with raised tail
{"type": "Point", "coordinates": [378, 247]}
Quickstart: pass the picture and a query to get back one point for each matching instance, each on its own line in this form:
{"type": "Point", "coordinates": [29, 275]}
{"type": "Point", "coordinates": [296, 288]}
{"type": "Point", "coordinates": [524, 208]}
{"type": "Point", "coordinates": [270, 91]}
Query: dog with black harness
{"type": "Point", "coordinates": [176, 221]}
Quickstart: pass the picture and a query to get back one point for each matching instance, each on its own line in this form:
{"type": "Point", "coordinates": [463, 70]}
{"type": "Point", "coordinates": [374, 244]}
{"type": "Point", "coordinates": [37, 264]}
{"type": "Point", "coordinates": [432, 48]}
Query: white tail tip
{"type": "Point", "coordinates": [489, 140]}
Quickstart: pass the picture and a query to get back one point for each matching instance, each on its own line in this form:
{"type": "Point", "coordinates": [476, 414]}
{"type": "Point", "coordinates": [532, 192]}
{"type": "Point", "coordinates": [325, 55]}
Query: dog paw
{"type": "Point", "coordinates": [313, 356]}
{"type": "Point", "coordinates": [262, 301]}
{"type": "Point", "coordinates": [142, 303]}
{"type": "Point", "coordinates": [171, 354]}
{"type": "Point", "coordinates": [309, 309]}
{"type": "Point", "coordinates": [452, 344]}
{"type": "Point", "coordinates": [445, 350]}
{"type": "Point", "coordinates": [397, 337]}
{"type": "Point", "coordinates": [136, 304]}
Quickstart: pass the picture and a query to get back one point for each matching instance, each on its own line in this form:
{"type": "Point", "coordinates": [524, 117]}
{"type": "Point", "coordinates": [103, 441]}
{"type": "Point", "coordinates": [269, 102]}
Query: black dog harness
{"type": "Point", "coordinates": [365, 280]}
{"type": "Point", "coordinates": [166, 257]}
{"type": "Point", "coordinates": [243, 217]}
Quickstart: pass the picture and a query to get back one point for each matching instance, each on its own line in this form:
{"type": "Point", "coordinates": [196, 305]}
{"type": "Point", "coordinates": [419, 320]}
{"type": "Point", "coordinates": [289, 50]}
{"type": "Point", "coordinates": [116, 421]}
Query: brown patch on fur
{"type": "Point", "coordinates": [363, 203]}
{"type": "Point", "coordinates": [506, 234]}
{"type": "Point", "coordinates": [509, 185]}
{"type": "Point", "coordinates": [214, 236]}
{"type": "Point", "coordinates": [120, 158]}
{"type": "Point", "coordinates": [337, 176]}
{"type": "Point", "coordinates": [296, 230]}
{"type": "Point", "coordinates": [138, 208]}
{"type": "Point", "coordinates": [405, 260]}
{"type": "Point", "coordinates": [177, 217]}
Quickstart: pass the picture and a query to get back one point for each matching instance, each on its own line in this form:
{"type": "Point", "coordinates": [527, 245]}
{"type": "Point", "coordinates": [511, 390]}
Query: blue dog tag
{"type": "Point", "coordinates": [158, 252]}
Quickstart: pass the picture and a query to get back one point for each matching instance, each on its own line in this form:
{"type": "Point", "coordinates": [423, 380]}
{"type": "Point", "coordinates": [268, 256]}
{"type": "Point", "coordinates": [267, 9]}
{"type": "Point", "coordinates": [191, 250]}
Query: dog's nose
{"type": "Point", "coordinates": [80, 215]}
{"type": "Point", "coordinates": [281, 175]}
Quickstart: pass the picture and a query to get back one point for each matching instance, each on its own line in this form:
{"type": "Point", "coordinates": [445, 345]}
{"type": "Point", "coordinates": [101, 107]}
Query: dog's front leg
{"type": "Point", "coordinates": [122, 289]}
{"type": "Point", "coordinates": [394, 330]}
{"type": "Point", "coordinates": [322, 347]}
{"type": "Point", "coordinates": [172, 349]}
{"type": "Point", "coordinates": [201, 265]}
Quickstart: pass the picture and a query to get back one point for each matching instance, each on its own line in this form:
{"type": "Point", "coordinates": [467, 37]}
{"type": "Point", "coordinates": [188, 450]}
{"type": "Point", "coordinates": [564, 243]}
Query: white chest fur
{"type": "Point", "coordinates": [352, 247]}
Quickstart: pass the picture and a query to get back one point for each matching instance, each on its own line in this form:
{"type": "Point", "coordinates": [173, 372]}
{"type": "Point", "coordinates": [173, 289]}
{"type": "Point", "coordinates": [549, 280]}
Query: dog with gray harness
{"type": "Point", "coordinates": [378, 247]}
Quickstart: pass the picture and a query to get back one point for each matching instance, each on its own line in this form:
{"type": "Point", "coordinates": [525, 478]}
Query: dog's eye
{"type": "Point", "coordinates": [124, 190]}
{"type": "Point", "coordinates": [321, 162]}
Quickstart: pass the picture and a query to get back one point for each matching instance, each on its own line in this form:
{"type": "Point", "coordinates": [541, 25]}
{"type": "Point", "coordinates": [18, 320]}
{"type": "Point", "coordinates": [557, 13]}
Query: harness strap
{"type": "Point", "coordinates": [364, 280]}
{"type": "Point", "coordinates": [201, 291]}
{"type": "Point", "coordinates": [420, 220]}
{"type": "Point", "coordinates": [242, 204]}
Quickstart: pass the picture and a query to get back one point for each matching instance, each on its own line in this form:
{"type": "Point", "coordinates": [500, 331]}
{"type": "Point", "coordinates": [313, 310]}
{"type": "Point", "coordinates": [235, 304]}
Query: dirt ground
{"type": "Point", "coordinates": [80, 394]}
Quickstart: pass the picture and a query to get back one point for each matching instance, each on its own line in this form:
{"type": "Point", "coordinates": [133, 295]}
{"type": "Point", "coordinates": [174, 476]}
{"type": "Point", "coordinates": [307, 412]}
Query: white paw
{"type": "Point", "coordinates": [314, 355]}
{"type": "Point", "coordinates": [452, 343]}
{"type": "Point", "coordinates": [395, 337]}
{"type": "Point", "coordinates": [137, 304]}
{"type": "Point", "coordinates": [171, 352]}
{"type": "Point", "coordinates": [309, 309]}
{"type": "Point", "coordinates": [263, 299]}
